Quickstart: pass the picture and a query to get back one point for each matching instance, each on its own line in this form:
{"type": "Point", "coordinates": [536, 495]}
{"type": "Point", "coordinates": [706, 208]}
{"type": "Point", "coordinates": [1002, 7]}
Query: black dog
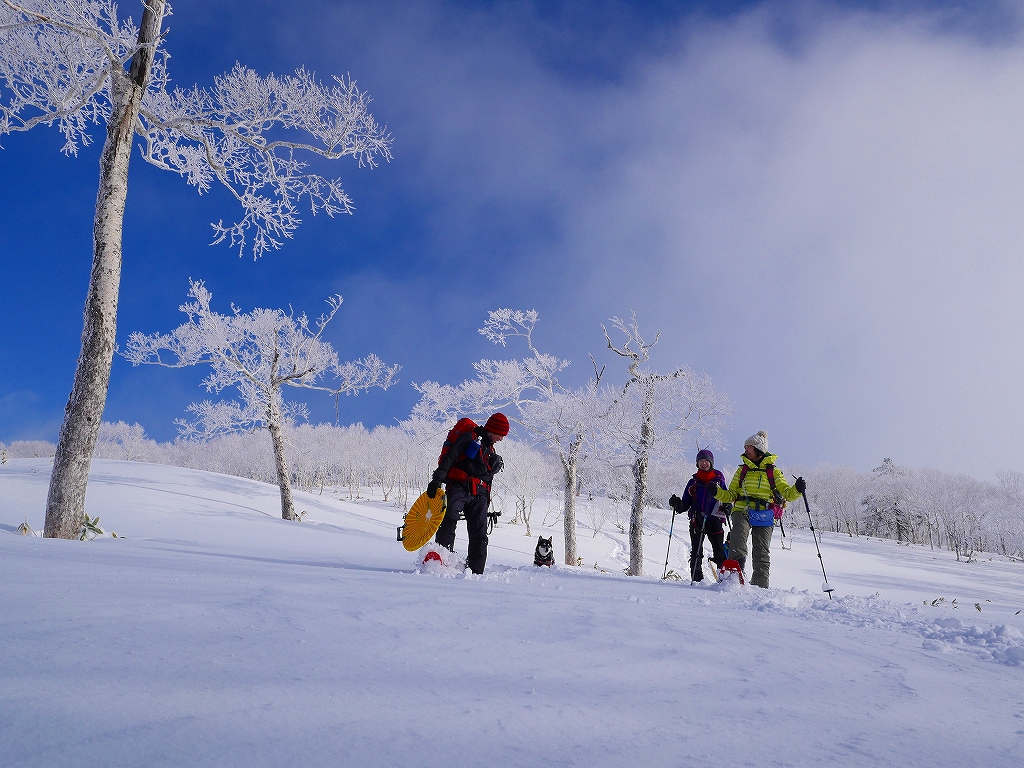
{"type": "Point", "coordinates": [544, 555]}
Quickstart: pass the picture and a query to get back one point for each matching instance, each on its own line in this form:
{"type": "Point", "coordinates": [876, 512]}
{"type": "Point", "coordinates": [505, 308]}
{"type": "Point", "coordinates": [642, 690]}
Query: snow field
{"type": "Point", "coordinates": [218, 634]}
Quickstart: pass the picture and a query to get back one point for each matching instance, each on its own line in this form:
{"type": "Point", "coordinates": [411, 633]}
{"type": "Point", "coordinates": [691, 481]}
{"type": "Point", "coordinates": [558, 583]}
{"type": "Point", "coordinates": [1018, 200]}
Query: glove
{"type": "Point", "coordinates": [800, 485]}
{"type": "Point", "coordinates": [432, 488]}
{"type": "Point", "coordinates": [726, 508]}
{"type": "Point", "coordinates": [496, 464]}
{"type": "Point", "coordinates": [674, 501]}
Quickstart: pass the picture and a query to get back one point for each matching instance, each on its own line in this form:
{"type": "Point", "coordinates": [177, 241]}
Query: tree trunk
{"type": "Point", "coordinates": [636, 515]}
{"type": "Point", "coordinates": [65, 500]}
{"type": "Point", "coordinates": [277, 438]}
{"type": "Point", "coordinates": [569, 466]}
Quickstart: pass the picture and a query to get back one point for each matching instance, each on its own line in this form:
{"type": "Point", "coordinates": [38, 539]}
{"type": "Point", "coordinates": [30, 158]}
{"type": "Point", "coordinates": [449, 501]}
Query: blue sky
{"type": "Point", "coordinates": [817, 203]}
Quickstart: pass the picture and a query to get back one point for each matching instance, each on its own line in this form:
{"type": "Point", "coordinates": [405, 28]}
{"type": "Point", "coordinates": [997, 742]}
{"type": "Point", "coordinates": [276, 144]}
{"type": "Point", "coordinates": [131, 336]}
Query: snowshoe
{"type": "Point", "coordinates": [434, 558]}
{"type": "Point", "coordinates": [730, 567]}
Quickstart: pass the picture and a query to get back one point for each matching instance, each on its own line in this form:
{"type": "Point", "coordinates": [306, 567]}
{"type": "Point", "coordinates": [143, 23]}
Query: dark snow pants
{"type": "Point", "coordinates": [475, 510]}
{"type": "Point", "coordinates": [697, 550]}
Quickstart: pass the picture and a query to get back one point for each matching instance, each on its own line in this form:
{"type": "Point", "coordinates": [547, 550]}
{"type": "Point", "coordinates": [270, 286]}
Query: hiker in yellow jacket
{"type": "Point", "coordinates": [757, 492]}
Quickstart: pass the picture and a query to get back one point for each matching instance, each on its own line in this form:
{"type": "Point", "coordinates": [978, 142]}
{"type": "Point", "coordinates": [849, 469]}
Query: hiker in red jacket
{"type": "Point", "coordinates": [467, 467]}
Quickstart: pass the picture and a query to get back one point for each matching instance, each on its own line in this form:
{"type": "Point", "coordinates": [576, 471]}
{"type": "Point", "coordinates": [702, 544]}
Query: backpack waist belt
{"type": "Point", "coordinates": [473, 484]}
{"type": "Point", "coordinates": [756, 502]}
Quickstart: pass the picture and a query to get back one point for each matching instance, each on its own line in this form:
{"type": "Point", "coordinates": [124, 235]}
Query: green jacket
{"type": "Point", "coordinates": [755, 485]}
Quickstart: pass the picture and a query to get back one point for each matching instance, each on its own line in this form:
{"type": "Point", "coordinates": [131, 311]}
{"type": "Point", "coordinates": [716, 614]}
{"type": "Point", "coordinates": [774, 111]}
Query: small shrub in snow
{"type": "Point", "coordinates": [90, 528]}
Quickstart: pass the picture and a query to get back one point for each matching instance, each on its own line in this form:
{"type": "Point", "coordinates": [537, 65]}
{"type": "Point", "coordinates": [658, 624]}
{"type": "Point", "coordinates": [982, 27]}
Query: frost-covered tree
{"type": "Point", "coordinates": [76, 63]}
{"type": "Point", "coordinates": [423, 439]}
{"type": "Point", "coordinates": [887, 504]}
{"type": "Point", "coordinates": [418, 458]}
{"type": "Point", "coordinates": [605, 491]}
{"type": "Point", "coordinates": [526, 473]}
{"type": "Point", "coordinates": [961, 504]}
{"type": "Point", "coordinates": [561, 418]}
{"type": "Point", "coordinates": [656, 412]}
{"type": "Point", "coordinates": [124, 441]}
{"type": "Point", "coordinates": [257, 353]}
{"type": "Point", "coordinates": [1008, 519]}
{"type": "Point", "coordinates": [350, 457]}
{"type": "Point", "coordinates": [836, 495]}
{"type": "Point", "coordinates": [390, 447]}
{"type": "Point", "coordinates": [31, 449]}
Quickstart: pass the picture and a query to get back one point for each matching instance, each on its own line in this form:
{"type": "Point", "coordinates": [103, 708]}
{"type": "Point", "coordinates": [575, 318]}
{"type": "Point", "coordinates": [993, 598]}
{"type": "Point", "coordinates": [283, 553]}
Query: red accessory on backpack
{"type": "Point", "coordinates": [497, 424]}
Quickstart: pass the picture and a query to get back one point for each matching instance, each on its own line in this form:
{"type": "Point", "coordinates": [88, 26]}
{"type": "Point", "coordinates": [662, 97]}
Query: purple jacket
{"type": "Point", "coordinates": [699, 500]}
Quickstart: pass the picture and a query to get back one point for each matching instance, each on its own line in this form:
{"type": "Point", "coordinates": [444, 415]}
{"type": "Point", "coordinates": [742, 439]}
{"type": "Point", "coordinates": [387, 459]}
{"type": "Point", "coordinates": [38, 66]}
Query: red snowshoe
{"type": "Point", "coordinates": [731, 566]}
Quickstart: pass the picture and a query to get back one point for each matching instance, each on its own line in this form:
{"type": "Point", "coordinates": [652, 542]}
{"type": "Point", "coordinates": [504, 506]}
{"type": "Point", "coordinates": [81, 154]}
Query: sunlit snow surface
{"type": "Point", "coordinates": [216, 634]}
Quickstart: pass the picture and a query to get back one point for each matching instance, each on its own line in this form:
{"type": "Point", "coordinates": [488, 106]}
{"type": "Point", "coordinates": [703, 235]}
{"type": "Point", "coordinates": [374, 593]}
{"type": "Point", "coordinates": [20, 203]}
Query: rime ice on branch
{"type": "Point", "coordinates": [61, 61]}
{"type": "Point", "coordinates": [257, 353]}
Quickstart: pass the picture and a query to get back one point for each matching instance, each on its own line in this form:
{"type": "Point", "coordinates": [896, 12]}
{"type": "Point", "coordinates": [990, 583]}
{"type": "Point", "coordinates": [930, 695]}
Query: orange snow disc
{"type": "Point", "coordinates": [423, 519]}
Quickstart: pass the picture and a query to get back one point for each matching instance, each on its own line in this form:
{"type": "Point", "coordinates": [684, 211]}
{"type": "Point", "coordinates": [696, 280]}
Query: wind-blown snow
{"type": "Point", "coordinates": [215, 633]}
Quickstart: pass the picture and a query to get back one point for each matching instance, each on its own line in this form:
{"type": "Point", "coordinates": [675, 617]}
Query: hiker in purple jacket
{"type": "Point", "coordinates": [704, 512]}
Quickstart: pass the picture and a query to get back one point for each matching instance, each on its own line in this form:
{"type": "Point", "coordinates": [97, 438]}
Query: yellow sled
{"type": "Point", "coordinates": [422, 520]}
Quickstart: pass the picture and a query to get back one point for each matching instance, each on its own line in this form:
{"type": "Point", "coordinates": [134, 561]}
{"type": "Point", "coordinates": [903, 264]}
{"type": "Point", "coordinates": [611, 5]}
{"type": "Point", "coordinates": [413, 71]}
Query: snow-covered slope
{"type": "Point", "coordinates": [215, 633]}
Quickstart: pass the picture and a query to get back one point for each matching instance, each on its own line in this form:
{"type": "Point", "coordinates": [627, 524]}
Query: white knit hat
{"type": "Point", "coordinates": [759, 441]}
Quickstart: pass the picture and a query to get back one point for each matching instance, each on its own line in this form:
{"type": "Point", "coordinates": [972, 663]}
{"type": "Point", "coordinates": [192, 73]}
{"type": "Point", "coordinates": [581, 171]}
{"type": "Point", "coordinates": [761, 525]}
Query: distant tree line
{"type": "Point", "coordinates": [391, 463]}
{"type": "Point", "coordinates": [918, 506]}
{"type": "Point", "coordinates": [914, 506]}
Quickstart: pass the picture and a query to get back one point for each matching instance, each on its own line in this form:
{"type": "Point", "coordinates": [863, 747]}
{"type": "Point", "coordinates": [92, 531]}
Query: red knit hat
{"type": "Point", "coordinates": [497, 424]}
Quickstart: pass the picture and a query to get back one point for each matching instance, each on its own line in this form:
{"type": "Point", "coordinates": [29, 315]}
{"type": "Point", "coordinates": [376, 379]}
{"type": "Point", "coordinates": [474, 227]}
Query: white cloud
{"type": "Point", "coordinates": [833, 229]}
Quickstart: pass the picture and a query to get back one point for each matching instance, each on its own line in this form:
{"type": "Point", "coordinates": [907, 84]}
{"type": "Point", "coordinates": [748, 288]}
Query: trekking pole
{"type": "Point", "coordinates": [824, 587]}
{"type": "Point", "coordinates": [671, 527]}
{"type": "Point", "coordinates": [782, 527]}
{"type": "Point", "coordinates": [698, 560]}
